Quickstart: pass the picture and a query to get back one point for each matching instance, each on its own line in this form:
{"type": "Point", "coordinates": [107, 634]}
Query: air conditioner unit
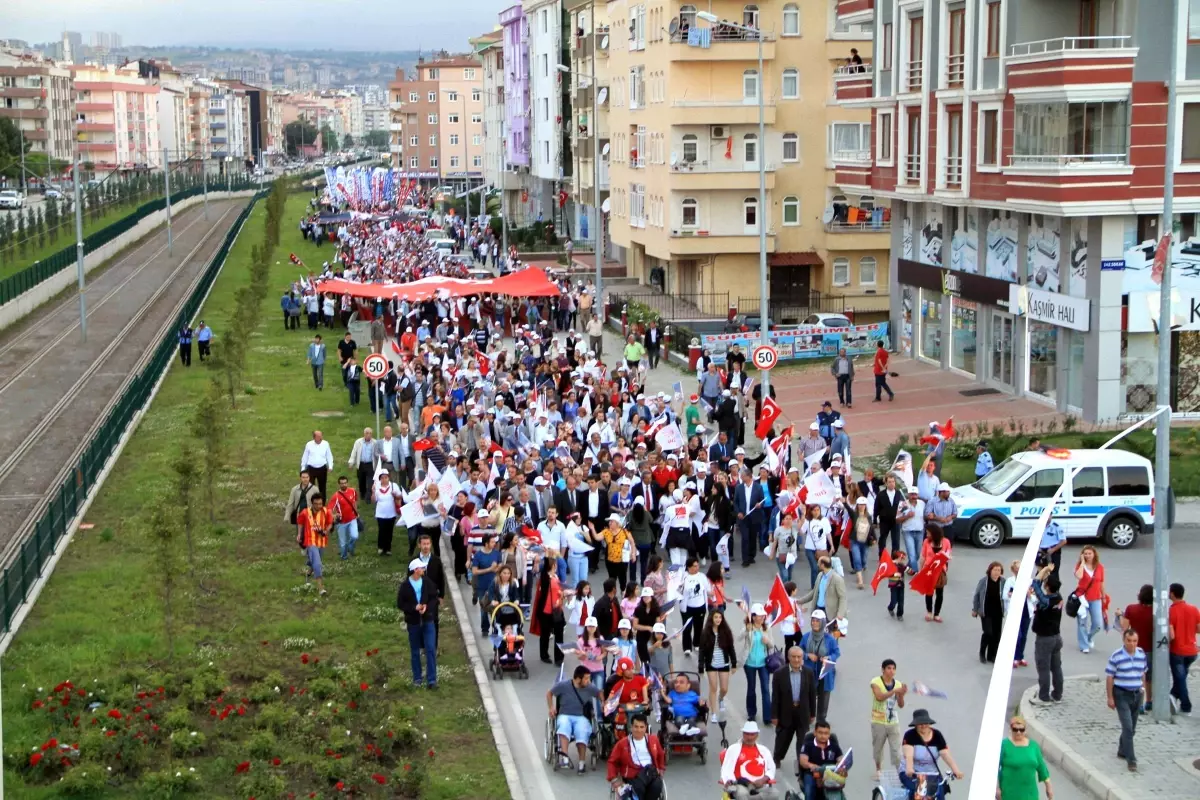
{"type": "Point", "coordinates": [718, 131]}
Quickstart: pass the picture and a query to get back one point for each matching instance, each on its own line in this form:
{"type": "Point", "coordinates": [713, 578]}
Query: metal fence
{"type": "Point", "coordinates": [31, 557]}
{"type": "Point", "coordinates": [18, 283]}
{"type": "Point", "coordinates": [672, 307]}
{"type": "Point", "coordinates": [793, 310]}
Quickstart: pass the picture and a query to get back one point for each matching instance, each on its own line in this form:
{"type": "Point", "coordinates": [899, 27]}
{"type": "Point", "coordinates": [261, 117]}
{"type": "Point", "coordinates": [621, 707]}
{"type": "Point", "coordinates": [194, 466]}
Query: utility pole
{"type": "Point", "coordinates": [261, 168]}
{"type": "Point", "coordinates": [79, 247]}
{"type": "Point", "coordinates": [167, 191]}
{"type": "Point", "coordinates": [21, 133]}
{"type": "Point", "coordinates": [204, 182]}
{"type": "Point", "coordinates": [598, 235]}
{"type": "Point", "coordinates": [1162, 457]}
{"type": "Point", "coordinates": [764, 306]}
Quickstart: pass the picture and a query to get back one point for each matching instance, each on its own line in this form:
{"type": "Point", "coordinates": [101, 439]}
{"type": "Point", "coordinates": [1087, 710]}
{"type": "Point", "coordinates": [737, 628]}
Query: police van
{"type": "Point", "coordinates": [1111, 497]}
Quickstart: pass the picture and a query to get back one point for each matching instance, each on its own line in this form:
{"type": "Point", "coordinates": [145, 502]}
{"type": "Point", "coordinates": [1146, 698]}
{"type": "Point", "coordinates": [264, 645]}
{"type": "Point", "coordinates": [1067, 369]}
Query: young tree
{"type": "Point", "coordinates": [39, 223]}
{"type": "Point", "coordinates": [162, 533]}
{"type": "Point", "coordinates": [52, 219]}
{"type": "Point", "coordinates": [185, 473]}
{"type": "Point", "coordinates": [210, 426]}
{"type": "Point", "coordinates": [22, 233]}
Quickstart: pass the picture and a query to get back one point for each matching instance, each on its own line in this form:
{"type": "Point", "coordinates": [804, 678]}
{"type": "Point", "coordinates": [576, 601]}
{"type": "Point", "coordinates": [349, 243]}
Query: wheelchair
{"type": "Point", "coordinates": [675, 742]}
{"type": "Point", "coordinates": [550, 745]}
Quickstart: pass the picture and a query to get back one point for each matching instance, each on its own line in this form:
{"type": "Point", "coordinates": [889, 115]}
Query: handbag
{"type": "Point", "coordinates": [1074, 601]}
{"type": "Point", "coordinates": [775, 661]}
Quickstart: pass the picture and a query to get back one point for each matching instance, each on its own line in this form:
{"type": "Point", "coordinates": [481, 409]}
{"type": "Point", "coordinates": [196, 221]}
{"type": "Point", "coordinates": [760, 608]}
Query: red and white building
{"type": "Point", "coordinates": [118, 125]}
{"type": "Point", "coordinates": [1022, 144]}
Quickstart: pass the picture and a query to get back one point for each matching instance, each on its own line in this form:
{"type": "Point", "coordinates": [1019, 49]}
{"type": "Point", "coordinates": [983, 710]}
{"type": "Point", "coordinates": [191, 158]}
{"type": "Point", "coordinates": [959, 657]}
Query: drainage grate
{"type": "Point", "coordinates": [978, 392]}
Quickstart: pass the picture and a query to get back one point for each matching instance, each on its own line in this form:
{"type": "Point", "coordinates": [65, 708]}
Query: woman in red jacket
{"type": "Point", "coordinates": [638, 761]}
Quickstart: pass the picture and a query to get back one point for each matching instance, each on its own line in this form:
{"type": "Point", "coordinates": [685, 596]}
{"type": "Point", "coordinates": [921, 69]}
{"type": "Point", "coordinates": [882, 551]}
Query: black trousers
{"type": "Point", "coordinates": [460, 555]}
{"type": "Point", "coordinates": [933, 602]}
{"type": "Point", "coordinates": [313, 319]}
{"type": "Point", "coordinates": [185, 354]}
{"type": "Point", "coordinates": [691, 633]}
{"type": "Point", "coordinates": [881, 386]}
{"type": "Point", "coordinates": [647, 788]}
{"type": "Point", "coordinates": [435, 536]}
{"type": "Point", "coordinates": [783, 741]}
{"type": "Point", "coordinates": [989, 640]}
{"type": "Point", "coordinates": [366, 475]}
{"type": "Point", "coordinates": [652, 356]}
{"type": "Point", "coordinates": [355, 389]}
{"type": "Point", "coordinates": [844, 384]}
{"type": "Point", "coordinates": [320, 476]}
{"type": "Point", "coordinates": [550, 626]}
{"type": "Point", "coordinates": [292, 322]}
{"type": "Point", "coordinates": [205, 349]}
{"type": "Point", "coordinates": [888, 531]}
{"type": "Point", "coordinates": [618, 571]}
{"type": "Point", "coordinates": [384, 537]}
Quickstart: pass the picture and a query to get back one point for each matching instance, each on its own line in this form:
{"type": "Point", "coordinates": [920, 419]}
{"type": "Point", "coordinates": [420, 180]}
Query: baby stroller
{"type": "Point", "coordinates": [508, 640]}
{"type": "Point", "coordinates": [673, 741]}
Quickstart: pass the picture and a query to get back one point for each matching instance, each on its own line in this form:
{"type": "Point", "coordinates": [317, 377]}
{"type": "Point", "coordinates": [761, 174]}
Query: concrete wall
{"type": "Point", "coordinates": [15, 310]}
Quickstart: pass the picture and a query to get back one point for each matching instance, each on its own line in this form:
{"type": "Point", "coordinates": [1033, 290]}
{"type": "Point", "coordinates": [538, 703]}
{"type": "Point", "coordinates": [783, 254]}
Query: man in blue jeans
{"type": "Point", "coordinates": [1184, 626]}
{"type": "Point", "coordinates": [418, 599]}
{"type": "Point", "coordinates": [1126, 682]}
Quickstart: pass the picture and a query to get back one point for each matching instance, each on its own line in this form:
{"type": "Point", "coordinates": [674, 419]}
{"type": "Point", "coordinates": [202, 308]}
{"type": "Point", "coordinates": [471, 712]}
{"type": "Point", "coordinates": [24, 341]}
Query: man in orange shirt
{"type": "Point", "coordinates": [881, 373]}
{"type": "Point", "coordinates": [1184, 622]}
{"type": "Point", "coordinates": [312, 533]}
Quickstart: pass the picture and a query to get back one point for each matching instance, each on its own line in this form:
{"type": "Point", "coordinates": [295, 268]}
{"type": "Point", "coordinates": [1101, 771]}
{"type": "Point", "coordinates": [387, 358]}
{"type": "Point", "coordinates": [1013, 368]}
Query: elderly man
{"type": "Point", "coordinates": [793, 703]}
{"type": "Point", "coordinates": [316, 460]}
{"type": "Point", "coordinates": [828, 593]}
{"type": "Point", "coordinates": [748, 768]}
{"type": "Point", "coordinates": [941, 509]}
{"type": "Point", "coordinates": [842, 369]}
{"type": "Point", "coordinates": [364, 457]}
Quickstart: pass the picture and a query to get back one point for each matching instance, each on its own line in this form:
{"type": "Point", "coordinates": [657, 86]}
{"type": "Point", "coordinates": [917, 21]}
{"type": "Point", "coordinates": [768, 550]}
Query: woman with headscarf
{"type": "Point", "coordinates": [820, 648]}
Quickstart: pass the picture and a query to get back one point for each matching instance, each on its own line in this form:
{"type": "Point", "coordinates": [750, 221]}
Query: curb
{"type": "Point", "coordinates": [478, 667]}
{"type": "Point", "coordinates": [1059, 754]}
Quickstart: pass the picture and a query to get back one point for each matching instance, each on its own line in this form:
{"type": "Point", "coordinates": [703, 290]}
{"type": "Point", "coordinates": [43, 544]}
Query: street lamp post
{"type": "Point", "coordinates": [167, 192]}
{"type": "Point", "coordinates": [764, 304]}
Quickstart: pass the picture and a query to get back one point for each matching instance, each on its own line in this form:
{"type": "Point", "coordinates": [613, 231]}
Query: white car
{"type": "Point", "coordinates": [825, 320]}
{"type": "Point", "coordinates": [11, 199]}
{"type": "Point", "coordinates": [53, 194]}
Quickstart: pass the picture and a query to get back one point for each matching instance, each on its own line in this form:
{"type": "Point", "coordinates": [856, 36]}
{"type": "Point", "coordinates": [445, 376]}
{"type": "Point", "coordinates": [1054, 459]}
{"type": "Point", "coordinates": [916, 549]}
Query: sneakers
{"type": "Point", "coordinates": [564, 762]}
{"type": "Point", "coordinates": [721, 706]}
{"type": "Point", "coordinates": [1037, 701]}
{"type": "Point", "coordinates": [581, 769]}
{"type": "Point", "coordinates": [1174, 703]}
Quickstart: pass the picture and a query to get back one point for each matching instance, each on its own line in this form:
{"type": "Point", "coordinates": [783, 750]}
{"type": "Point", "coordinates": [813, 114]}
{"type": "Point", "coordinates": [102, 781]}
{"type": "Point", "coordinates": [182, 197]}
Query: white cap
{"type": "Point", "coordinates": [647, 592]}
{"type": "Point", "coordinates": [862, 501]}
{"type": "Point", "coordinates": [614, 517]}
{"type": "Point", "coordinates": [625, 625]}
{"type": "Point", "coordinates": [817, 614]}
{"type": "Point", "coordinates": [701, 466]}
{"type": "Point", "coordinates": [727, 393]}
{"type": "Point", "coordinates": [757, 610]}
{"type": "Point", "coordinates": [416, 564]}
{"type": "Point", "coordinates": [700, 429]}
{"type": "Point", "coordinates": [814, 427]}
{"type": "Point", "coordinates": [639, 500]}
{"type": "Point", "coordinates": [750, 726]}
{"type": "Point", "coordinates": [837, 423]}
{"type": "Point", "coordinates": [741, 451]}
{"type": "Point", "coordinates": [591, 621]}
{"type": "Point", "coordinates": [690, 485]}
{"type": "Point", "coordinates": [677, 495]}
{"type": "Point", "coordinates": [658, 626]}
{"type": "Point", "coordinates": [943, 487]}
{"type": "Point", "coordinates": [540, 481]}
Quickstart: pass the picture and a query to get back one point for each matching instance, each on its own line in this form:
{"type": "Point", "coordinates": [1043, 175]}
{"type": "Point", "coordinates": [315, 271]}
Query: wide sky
{"type": "Point", "coordinates": [283, 24]}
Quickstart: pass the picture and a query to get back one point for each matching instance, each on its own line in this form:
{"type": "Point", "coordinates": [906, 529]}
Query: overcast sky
{"type": "Point", "coordinates": [334, 24]}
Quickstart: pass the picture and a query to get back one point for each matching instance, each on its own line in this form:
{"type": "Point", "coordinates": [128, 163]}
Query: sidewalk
{"type": "Point", "coordinates": [1079, 739]}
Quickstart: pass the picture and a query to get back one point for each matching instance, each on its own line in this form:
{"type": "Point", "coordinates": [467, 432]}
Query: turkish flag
{"type": "Point", "coordinates": [886, 569]}
{"type": "Point", "coordinates": [779, 605]}
{"type": "Point", "coordinates": [485, 365]}
{"type": "Point", "coordinates": [531, 534]}
{"type": "Point", "coordinates": [770, 413]}
{"type": "Point", "coordinates": [925, 581]}
{"type": "Point", "coordinates": [423, 444]}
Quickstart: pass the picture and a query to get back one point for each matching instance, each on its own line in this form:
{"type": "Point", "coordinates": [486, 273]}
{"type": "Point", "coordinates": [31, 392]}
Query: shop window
{"type": "Point", "coordinates": [963, 334]}
{"type": "Point", "coordinates": [841, 272]}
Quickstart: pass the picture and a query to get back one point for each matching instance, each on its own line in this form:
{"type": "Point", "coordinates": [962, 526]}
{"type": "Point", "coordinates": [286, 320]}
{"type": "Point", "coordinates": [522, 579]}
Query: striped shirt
{"type": "Point", "coordinates": [1127, 670]}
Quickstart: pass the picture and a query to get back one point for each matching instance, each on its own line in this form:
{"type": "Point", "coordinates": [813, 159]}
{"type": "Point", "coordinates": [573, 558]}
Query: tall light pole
{"type": "Point", "coordinates": [167, 192]}
{"type": "Point", "coordinates": [79, 247]}
{"type": "Point", "coordinates": [764, 306]}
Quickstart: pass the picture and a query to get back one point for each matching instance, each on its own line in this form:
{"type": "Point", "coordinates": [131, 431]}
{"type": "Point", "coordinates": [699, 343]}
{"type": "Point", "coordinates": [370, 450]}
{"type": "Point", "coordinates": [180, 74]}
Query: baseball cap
{"type": "Point", "coordinates": [647, 591]}
{"type": "Point", "coordinates": [943, 487]}
{"type": "Point", "coordinates": [814, 427]}
{"type": "Point", "coordinates": [757, 610]}
{"type": "Point", "coordinates": [837, 423]}
{"type": "Point", "coordinates": [624, 663]}
{"type": "Point", "coordinates": [416, 564]}
{"type": "Point", "coordinates": [658, 626]}
{"type": "Point", "coordinates": [591, 621]}
{"type": "Point", "coordinates": [694, 398]}
{"type": "Point", "coordinates": [625, 625]}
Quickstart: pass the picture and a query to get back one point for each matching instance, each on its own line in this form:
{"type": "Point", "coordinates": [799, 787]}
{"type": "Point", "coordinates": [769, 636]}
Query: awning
{"type": "Point", "coordinates": [530, 282]}
{"type": "Point", "coordinates": [804, 258]}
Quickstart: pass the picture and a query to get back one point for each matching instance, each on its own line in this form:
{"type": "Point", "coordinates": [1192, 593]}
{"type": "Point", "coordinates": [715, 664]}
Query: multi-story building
{"type": "Point", "coordinates": [441, 104]}
{"type": "Point", "coordinates": [198, 123]}
{"type": "Point", "coordinates": [550, 143]}
{"type": "Point", "coordinates": [517, 107]}
{"type": "Point", "coordinates": [589, 121]}
{"type": "Point", "coordinates": [1022, 147]}
{"type": "Point", "coordinates": [38, 97]}
{"type": "Point", "coordinates": [229, 126]}
{"type": "Point", "coordinates": [490, 49]}
{"type": "Point", "coordinates": [118, 126]}
{"type": "Point", "coordinates": [376, 118]}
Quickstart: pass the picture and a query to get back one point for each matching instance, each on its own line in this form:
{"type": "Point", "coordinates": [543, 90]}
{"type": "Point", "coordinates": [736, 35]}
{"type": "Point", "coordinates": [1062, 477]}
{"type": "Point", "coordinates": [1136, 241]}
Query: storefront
{"type": "Point", "coordinates": [1051, 323]}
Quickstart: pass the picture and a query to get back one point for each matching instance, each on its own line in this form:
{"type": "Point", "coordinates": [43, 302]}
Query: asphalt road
{"type": "Point", "coordinates": [943, 656]}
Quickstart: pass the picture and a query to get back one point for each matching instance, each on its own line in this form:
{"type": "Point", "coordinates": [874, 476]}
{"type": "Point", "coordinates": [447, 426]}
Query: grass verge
{"type": "Point", "coordinates": [66, 236]}
{"type": "Point", "coordinates": [269, 691]}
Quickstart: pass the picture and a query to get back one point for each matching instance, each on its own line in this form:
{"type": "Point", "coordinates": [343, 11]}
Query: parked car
{"type": "Point", "coordinates": [53, 194]}
{"type": "Point", "coordinates": [745, 323]}
{"type": "Point", "coordinates": [11, 199]}
{"type": "Point", "coordinates": [827, 320]}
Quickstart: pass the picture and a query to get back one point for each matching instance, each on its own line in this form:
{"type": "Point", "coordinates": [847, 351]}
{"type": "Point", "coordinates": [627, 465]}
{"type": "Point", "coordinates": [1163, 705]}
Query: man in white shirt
{"type": "Point", "coordinates": [911, 516]}
{"type": "Point", "coordinates": [749, 767]}
{"type": "Point", "coordinates": [554, 539]}
{"type": "Point", "coordinates": [317, 460]}
{"type": "Point", "coordinates": [364, 458]}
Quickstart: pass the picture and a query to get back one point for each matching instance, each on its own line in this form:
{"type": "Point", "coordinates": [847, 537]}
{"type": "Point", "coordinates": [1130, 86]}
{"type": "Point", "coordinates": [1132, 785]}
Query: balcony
{"type": "Point", "coordinates": [83, 107]}
{"type": "Point", "coordinates": [219, 140]}
{"type": "Point", "coordinates": [855, 11]}
{"type": "Point", "coordinates": [20, 91]}
{"type": "Point", "coordinates": [1092, 162]}
{"type": "Point", "coordinates": [719, 44]}
{"type": "Point", "coordinates": [217, 125]}
{"type": "Point", "coordinates": [954, 167]}
{"type": "Point", "coordinates": [853, 82]}
{"type": "Point", "coordinates": [701, 175]}
{"type": "Point", "coordinates": [216, 110]}
{"type": "Point", "coordinates": [956, 68]}
{"type": "Point", "coordinates": [866, 226]}
{"type": "Point", "coordinates": [95, 126]}
{"type": "Point", "coordinates": [870, 229]}
{"type": "Point", "coordinates": [24, 113]}
{"type": "Point", "coordinates": [97, 147]}
{"type": "Point", "coordinates": [914, 76]}
{"type": "Point", "coordinates": [396, 127]}
{"type": "Point", "coordinates": [855, 157]}
{"type": "Point", "coordinates": [396, 148]}
{"type": "Point", "coordinates": [701, 242]}
{"type": "Point", "coordinates": [721, 112]}
{"type": "Point", "coordinates": [911, 175]}
{"type": "Point", "coordinates": [396, 105]}
{"type": "Point", "coordinates": [1069, 61]}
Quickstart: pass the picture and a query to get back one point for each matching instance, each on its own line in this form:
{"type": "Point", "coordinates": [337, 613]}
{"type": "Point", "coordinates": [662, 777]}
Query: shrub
{"type": "Point", "coordinates": [187, 743]}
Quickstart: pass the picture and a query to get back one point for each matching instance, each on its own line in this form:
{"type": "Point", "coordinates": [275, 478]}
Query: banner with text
{"type": "Point", "coordinates": [808, 341]}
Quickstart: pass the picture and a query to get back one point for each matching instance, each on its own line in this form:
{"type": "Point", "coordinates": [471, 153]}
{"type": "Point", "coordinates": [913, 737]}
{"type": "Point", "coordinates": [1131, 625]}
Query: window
{"type": "Point", "coordinates": [433, 97]}
{"type": "Point", "coordinates": [883, 147]}
{"type": "Point", "coordinates": [850, 141]}
{"type": "Point", "coordinates": [691, 213]}
{"type": "Point", "coordinates": [791, 210]}
{"type": "Point", "coordinates": [989, 137]}
{"type": "Point", "coordinates": [545, 17]}
{"type": "Point", "coordinates": [691, 148]}
{"type": "Point", "coordinates": [433, 74]}
{"type": "Point", "coordinates": [750, 148]}
{"type": "Point", "coordinates": [637, 205]}
{"type": "Point", "coordinates": [866, 271]}
{"type": "Point", "coordinates": [750, 212]}
{"type": "Point", "coordinates": [1041, 485]}
{"type": "Point", "coordinates": [433, 140]}
{"type": "Point", "coordinates": [1125, 481]}
{"type": "Point", "coordinates": [1189, 150]}
{"type": "Point", "coordinates": [454, 140]}
{"type": "Point", "coordinates": [431, 119]}
{"type": "Point", "coordinates": [750, 85]}
{"type": "Point", "coordinates": [452, 97]}
{"type": "Point", "coordinates": [414, 163]}
{"type": "Point", "coordinates": [791, 20]}
{"type": "Point", "coordinates": [476, 95]}
{"type": "Point", "coordinates": [841, 272]}
{"type": "Point", "coordinates": [791, 147]}
{"type": "Point", "coordinates": [476, 161]}
{"type": "Point", "coordinates": [469, 74]}
{"type": "Point", "coordinates": [687, 20]}
{"type": "Point", "coordinates": [1088, 482]}
{"type": "Point", "coordinates": [453, 162]}
{"type": "Point", "coordinates": [476, 139]}
{"type": "Point", "coordinates": [637, 87]}
{"type": "Point", "coordinates": [433, 163]}
{"type": "Point", "coordinates": [1071, 133]}
{"type": "Point", "coordinates": [413, 141]}
{"type": "Point", "coordinates": [452, 119]}
{"type": "Point", "coordinates": [750, 16]}
{"type": "Point", "coordinates": [885, 43]}
{"type": "Point", "coordinates": [993, 29]}
{"type": "Point", "coordinates": [412, 97]}
{"type": "Point", "coordinates": [545, 152]}
{"type": "Point", "coordinates": [791, 83]}
{"type": "Point", "coordinates": [476, 119]}
{"type": "Point", "coordinates": [545, 65]}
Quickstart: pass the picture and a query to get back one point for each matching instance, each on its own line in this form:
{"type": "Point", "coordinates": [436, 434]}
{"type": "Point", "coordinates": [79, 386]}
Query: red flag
{"type": "Point", "coordinates": [1162, 256]}
{"type": "Point", "coordinates": [886, 569]}
{"type": "Point", "coordinates": [779, 606]}
{"type": "Point", "coordinates": [939, 434]}
{"type": "Point", "coordinates": [770, 413]}
{"type": "Point", "coordinates": [925, 581]}
{"type": "Point", "coordinates": [423, 444]}
{"type": "Point", "coordinates": [531, 534]}
{"type": "Point", "coordinates": [795, 505]}
{"type": "Point", "coordinates": [485, 365]}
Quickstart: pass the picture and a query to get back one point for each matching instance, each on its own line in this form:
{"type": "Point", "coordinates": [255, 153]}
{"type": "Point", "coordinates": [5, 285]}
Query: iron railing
{"type": "Point", "coordinates": [794, 309]}
{"type": "Point", "coordinates": [40, 543]}
{"type": "Point", "coordinates": [670, 308]}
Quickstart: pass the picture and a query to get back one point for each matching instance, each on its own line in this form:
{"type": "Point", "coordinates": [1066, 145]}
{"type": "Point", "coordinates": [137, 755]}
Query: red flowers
{"type": "Point", "coordinates": [114, 713]}
{"type": "Point", "coordinates": [339, 786]}
{"type": "Point", "coordinates": [380, 779]}
{"type": "Point", "coordinates": [50, 743]}
{"type": "Point", "coordinates": [431, 753]}
{"type": "Point", "coordinates": [408, 767]}
{"type": "Point", "coordinates": [304, 658]}
{"type": "Point", "coordinates": [372, 652]}
{"type": "Point", "coordinates": [141, 695]}
{"type": "Point", "coordinates": [275, 761]}
{"type": "Point", "coordinates": [242, 767]}
{"type": "Point", "coordinates": [241, 711]}
{"type": "Point", "coordinates": [110, 733]}
{"type": "Point", "coordinates": [364, 686]}
{"type": "Point", "coordinates": [38, 704]}
{"type": "Point", "coordinates": [35, 759]}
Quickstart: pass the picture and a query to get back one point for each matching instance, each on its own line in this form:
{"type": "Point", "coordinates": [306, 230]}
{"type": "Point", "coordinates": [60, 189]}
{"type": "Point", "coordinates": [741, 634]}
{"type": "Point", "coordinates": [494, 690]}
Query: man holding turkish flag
{"type": "Point", "coordinates": [770, 413]}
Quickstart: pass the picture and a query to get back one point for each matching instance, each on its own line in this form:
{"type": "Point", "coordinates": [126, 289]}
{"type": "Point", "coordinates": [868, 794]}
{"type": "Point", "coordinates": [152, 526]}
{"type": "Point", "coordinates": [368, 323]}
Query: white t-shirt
{"type": "Point", "coordinates": [639, 752]}
{"type": "Point", "coordinates": [695, 590]}
{"type": "Point", "coordinates": [816, 532]}
{"type": "Point", "coordinates": [385, 501]}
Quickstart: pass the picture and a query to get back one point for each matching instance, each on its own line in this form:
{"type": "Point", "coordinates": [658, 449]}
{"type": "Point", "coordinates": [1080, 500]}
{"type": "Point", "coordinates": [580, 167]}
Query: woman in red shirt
{"type": "Point", "coordinates": [639, 761]}
{"type": "Point", "coordinates": [1090, 574]}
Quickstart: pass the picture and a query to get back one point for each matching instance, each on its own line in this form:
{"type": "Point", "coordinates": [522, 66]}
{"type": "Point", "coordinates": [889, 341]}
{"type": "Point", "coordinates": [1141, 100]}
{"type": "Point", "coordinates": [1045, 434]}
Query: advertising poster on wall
{"type": "Point", "coordinates": [1185, 261]}
{"type": "Point", "coordinates": [907, 235]}
{"type": "Point", "coordinates": [808, 341]}
{"type": "Point", "coordinates": [1002, 246]}
{"type": "Point", "coordinates": [1077, 258]}
{"type": "Point", "coordinates": [1042, 252]}
{"type": "Point", "coordinates": [964, 245]}
{"type": "Point", "coordinates": [931, 236]}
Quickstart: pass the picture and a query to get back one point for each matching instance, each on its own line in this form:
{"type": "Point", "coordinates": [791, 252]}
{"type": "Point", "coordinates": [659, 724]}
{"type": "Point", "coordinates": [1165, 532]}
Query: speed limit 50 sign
{"type": "Point", "coordinates": [375, 366]}
{"type": "Point", "coordinates": [764, 356]}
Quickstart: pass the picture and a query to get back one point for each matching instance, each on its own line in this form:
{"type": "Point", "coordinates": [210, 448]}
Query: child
{"type": "Point", "coordinates": [579, 607]}
{"type": "Point", "coordinates": [627, 645]}
{"type": "Point", "coordinates": [591, 654]}
{"type": "Point", "coordinates": [716, 590]}
{"type": "Point", "coordinates": [511, 639]}
{"type": "Point", "coordinates": [660, 650]}
{"type": "Point", "coordinates": [685, 706]}
{"type": "Point", "coordinates": [789, 627]}
{"type": "Point", "coordinates": [629, 603]}
{"type": "Point", "coordinates": [896, 585]}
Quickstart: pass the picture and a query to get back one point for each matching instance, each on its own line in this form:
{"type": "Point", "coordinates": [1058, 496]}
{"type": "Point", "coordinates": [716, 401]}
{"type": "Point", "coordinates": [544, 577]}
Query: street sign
{"type": "Point", "coordinates": [764, 356]}
{"type": "Point", "coordinates": [376, 366]}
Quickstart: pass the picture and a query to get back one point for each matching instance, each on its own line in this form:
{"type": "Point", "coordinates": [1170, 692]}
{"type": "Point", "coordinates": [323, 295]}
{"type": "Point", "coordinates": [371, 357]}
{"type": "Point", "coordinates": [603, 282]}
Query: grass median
{"type": "Point", "coordinates": [268, 691]}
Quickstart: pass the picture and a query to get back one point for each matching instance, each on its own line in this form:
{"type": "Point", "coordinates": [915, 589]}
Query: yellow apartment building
{"type": "Point", "coordinates": [682, 116]}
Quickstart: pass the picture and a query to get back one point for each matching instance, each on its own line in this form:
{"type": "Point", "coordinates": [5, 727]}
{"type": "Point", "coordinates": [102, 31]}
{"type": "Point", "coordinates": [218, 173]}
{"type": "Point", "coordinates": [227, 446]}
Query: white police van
{"type": "Point", "coordinates": [1112, 497]}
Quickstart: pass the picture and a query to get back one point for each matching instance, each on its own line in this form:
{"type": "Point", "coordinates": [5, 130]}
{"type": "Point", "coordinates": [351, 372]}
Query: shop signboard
{"type": "Point", "coordinates": [808, 341]}
{"type": "Point", "coordinates": [1050, 307]}
{"type": "Point", "coordinates": [1144, 308]}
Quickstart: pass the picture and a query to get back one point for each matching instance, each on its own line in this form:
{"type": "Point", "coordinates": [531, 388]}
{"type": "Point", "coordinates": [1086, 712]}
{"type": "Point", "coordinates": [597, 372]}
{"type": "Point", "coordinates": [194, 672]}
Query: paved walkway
{"type": "Point", "coordinates": [1079, 738]}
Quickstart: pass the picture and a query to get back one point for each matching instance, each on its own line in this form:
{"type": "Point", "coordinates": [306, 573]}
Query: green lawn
{"type": "Point", "coordinates": [66, 236]}
{"type": "Point", "coordinates": [262, 669]}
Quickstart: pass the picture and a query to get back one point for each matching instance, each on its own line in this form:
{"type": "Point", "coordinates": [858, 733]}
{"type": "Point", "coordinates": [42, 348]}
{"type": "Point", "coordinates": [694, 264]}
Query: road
{"type": "Point", "coordinates": [943, 656]}
{"type": "Point", "coordinates": [55, 389]}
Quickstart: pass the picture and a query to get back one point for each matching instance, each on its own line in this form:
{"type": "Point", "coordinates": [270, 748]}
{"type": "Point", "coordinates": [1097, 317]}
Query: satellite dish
{"type": "Point", "coordinates": [603, 95]}
{"type": "Point", "coordinates": [604, 42]}
{"type": "Point", "coordinates": [604, 150]}
{"type": "Point", "coordinates": [674, 28]}
{"type": "Point", "coordinates": [606, 205]}
{"type": "Point", "coordinates": [827, 216]}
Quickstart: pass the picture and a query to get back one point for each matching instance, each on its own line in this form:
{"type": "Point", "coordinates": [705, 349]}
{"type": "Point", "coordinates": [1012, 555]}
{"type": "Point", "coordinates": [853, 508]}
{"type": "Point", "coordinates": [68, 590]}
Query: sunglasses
{"type": "Point", "coordinates": [1015, 729]}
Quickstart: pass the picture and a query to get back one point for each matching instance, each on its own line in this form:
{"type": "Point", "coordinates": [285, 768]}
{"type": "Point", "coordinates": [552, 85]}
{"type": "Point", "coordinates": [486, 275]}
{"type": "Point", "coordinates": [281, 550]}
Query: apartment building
{"type": "Point", "coordinates": [376, 118]}
{"type": "Point", "coordinates": [228, 126]}
{"type": "Point", "coordinates": [589, 131]}
{"type": "Point", "coordinates": [551, 161]}
{"type": "Point", "coordinates": [441, 109]}
{"type": "Point", "coordinates": [498, 173]}
{"type": "Point", "coordinates": [118, 124]}
{"type": "Point", "coordinates": [518, 109]}
{"type": "Point", "coordinates": [37, 96]}
{"type": "Point", "coordinates": [1021, 144]}
{"type": "Point", "coordinates": [198, 124]}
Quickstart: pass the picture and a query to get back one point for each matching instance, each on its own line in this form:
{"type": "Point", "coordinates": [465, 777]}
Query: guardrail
{"type": "Point", "coordinates": [1069, 160]}
{"type": "Point", "coordinates": [33, 553]}
{"type": "Point", "coordinates": [1067, 44]}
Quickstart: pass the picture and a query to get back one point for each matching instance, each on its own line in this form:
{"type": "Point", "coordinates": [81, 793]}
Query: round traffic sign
{"type": "Point", "coordinates": [764, 356]}
{"type": "Point", "coordinates": [376, 366]}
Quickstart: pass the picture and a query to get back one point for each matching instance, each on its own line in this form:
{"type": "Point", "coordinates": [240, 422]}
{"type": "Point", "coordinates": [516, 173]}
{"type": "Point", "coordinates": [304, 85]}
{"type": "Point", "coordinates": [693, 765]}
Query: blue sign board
{"type": "Point", "coordinates": [1112, 264]}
